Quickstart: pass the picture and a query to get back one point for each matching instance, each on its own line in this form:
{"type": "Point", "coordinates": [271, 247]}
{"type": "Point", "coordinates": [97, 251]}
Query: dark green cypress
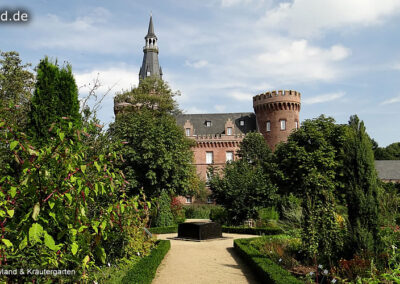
{"type": "Point", "coordinates": [362, 188]}
{"type": "Point", "coordinates": [55, 96]}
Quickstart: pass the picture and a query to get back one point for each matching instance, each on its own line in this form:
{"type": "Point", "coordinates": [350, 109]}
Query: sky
{"type": "Point", "coordinates": [343, 56]}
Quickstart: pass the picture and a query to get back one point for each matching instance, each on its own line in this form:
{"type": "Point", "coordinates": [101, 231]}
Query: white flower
{"type": "Point", "coordinates": [270, 251]}
{"type": "Point", "coordinates": [138, 253]}
{"type": "Point", "coordinates": [394, 247]}
{"type": "Point", "coordinates": [333, 281]}
{"type": "Point", "coordinates": [326, 271]}
{"type": "Point", "coordinates": [95, 282]}
{"type": "Point", "coordinates": [311, 273]}
{"type": "Point", "coordinates": [320, 266]}
{"type": "Point", "coordinates": [280, 259]}
{"type": "Point", "coordinates": [108, 264]}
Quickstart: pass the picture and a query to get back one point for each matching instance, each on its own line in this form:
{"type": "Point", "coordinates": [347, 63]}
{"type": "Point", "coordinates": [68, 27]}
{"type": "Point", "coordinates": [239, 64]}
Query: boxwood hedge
{"type": "Point", "coordinates": [144, 271]}
{"type": "Point", "coordinates": [266, 270]}
{"type": "Point", "coordinates": [164, 230]}
{"type": "Point", "coordinates": [252, 231]}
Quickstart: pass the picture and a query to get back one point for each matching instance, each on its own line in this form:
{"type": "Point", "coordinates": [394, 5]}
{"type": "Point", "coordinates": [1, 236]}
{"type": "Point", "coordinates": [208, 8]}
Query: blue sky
{"type": "Point", "coordinates": [342, 55]}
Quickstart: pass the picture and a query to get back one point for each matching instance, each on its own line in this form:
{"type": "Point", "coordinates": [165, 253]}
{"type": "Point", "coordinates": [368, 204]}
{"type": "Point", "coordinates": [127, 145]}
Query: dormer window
{"type": "Point", "coordinates": [208, 123]}
{"type": "Point", "coordinates": [229, 131]}
{"type": "Point", "coordinates": [187, 131]}
{"type": "Point", "coordinates": [241, 123]}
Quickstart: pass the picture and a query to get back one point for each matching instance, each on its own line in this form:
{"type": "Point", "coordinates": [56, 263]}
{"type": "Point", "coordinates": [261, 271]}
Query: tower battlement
{"type": "Point", "coordinates": [288, 94]}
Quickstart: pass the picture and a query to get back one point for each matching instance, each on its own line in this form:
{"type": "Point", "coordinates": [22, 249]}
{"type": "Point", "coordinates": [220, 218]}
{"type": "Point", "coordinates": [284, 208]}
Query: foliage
{"type": "Point", "coordinates": [164, 216]}
{"type": "Point", "coordinates": [390, 152]}
{"type": "Point", "coordinates": [265, 268]}
{"type": "Point", "coordinates": [156, 154]}
{"type": "Point", "coordinates": [291, 211]}
{"type": "Point", "coordinates": [310, 163]}
{"type": "Point", "coordinates": [63, 210]}
{"type": "Point", "coordinates": [144, 271]}
{"type": "Point", "coordinates": [255, 150]}
{"type": "Point", "coordinates": [389, 203]}
{"type": "Point", "coordinates": [177, 210]}
{"type": "Point", "coordinates": [16, 86]}
{"type": "Point", "coordinates": [198, 211]}
{"type": "Point", "coordinates": [362, 189]}
{"type": "Point", "coordinates": [55, 96]}
{"type": "Point", "coordinates": [252, 231]}
{"type": "Point", "coordinates": [242, 189]}
{"type": "Point", "coordinates": [164, 230]}
{"type": "Point", "coordinates": [218, 214]}
{"type": "Point", "coordinates": [268, 213]}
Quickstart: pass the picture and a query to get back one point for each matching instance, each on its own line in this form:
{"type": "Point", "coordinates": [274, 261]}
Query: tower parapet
{"type": "Point", "coordinates": [277, 114]}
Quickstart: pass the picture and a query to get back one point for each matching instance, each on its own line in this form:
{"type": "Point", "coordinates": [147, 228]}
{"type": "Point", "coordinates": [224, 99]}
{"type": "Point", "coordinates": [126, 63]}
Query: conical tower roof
{"type": "Point", "coordinates": [150, 32]}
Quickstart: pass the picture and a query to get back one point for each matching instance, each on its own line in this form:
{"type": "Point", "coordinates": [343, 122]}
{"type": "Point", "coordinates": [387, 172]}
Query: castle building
{"type": "Point", "coordinates": [218, 135]}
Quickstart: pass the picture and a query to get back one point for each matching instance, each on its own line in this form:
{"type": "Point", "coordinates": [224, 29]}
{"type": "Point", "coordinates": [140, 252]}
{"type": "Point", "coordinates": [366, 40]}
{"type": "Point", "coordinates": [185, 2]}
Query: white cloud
{"type": "Point", "coordinates": [391, 101]}
{"type": "Point", "coordinates": [242, 96]}
{"type": "Point", "coordinates": [323, 98]}
{"type": "Point", "coordinates": [116, 78]}
{"type": "Point", "coordinates": [229, 3]}
{"type": "Point", "coordinates": [196, 64]}
{"type": "Point", "coordinates": [220, 108]}
{"type": "Point", "coordinates": [309, 17]}
{"type": "Point", "coordinates": [396, 66]}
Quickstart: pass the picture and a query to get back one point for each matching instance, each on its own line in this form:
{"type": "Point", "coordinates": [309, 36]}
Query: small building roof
{"type": "Point", "coordinates": [388, 169]}
{"type": "Point", "coordinates": [218, 121]}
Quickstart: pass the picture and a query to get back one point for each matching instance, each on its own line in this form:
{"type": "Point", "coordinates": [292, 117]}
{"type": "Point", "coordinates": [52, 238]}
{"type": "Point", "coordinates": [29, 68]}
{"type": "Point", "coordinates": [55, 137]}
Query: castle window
{"type": "Point", "coordinates": [148, 73]}
{"type": "Point", "coordinates": [208, 123]}
{"type": "Point", "coordinates": [188, 199]}
{"type": "Point", "coordinates": [296, 124]}
{"type": "Point", "coordinates": [187, 131]}
{"type": "Point", "coordinates": [268, 126]}
{"type": "Point", "coordinates": [283, 124]}
{"type": "Point", "coordinates": [229, 131]}
{"type": "Point", "coordinates": [209, 200]}
{"type": "Point", "coordinates": [209, 157]}
{"type": "Point", "coordinates": [229, 156]}
{"type": "Point", "coordinates": [241, 123]}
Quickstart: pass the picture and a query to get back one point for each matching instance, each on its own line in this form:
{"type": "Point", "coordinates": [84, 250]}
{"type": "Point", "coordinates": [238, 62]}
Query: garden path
{"type": "Point", "coordinates": [212, 261]}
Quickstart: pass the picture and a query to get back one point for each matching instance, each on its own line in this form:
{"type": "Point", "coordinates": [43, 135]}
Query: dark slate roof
{"type": "Point", "coordinates": [388, 169]}
{"type": "Point", "coordinates": [218, 121]}
{"type": "Point", "coordinates": [150, 32]}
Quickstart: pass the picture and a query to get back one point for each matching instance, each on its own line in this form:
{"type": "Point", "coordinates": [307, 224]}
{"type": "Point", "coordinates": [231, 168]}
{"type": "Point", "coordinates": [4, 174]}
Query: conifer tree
{"type": "Point", "coordinates": [362, 188]}
{"type": "Point", "coordinates": [55, 96]}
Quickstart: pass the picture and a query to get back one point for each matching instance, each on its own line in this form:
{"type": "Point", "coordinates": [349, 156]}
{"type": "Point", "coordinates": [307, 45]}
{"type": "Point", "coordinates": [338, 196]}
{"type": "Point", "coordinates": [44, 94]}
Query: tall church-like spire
{"type": "Point", "coordinates": [150, 64]}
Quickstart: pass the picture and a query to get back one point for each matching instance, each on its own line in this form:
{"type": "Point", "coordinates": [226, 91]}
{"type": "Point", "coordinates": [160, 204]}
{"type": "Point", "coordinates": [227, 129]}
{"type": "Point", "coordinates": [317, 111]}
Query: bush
{"type": "Point", "coordinates": [266, 270]}
{"type": "Point", "coordinates": [177, 210]}
{"type": "Point", "coordinates": [164, 216]}
{"type": "Point", "coordinates": [218, 214]}
{"type": "Point", "coordinates": [252, 231]}
{"type": "Point", "coordinates": [164, 230]}
{"type": "Point", "coordinates": [198, 211]}
{"type": "Point", "coordinates": [144, 271]}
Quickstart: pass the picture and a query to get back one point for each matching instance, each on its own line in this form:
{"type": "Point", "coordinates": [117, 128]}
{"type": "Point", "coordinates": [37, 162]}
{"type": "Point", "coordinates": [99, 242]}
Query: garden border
{"type": "Point", "coordinates": [265, 269]}
{"type": "Point", "coordinates": [225, 229]}
{"type": "Point", "coordinates": [144, 270]}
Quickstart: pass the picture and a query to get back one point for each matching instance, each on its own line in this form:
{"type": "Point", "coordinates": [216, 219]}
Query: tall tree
{"type": "Point", "coordinates": [362, 187]}
{"type": "Point", "coordinates": [55, 96]}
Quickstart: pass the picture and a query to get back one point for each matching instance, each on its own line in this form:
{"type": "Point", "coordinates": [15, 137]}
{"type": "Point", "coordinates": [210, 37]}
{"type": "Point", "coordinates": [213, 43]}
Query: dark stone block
{"type": "Point", "coordinates": [199, 230]}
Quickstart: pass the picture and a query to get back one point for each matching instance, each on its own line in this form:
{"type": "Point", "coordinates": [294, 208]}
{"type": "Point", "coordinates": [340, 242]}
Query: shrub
{"type": "Point", "coordinates": [268, 213]}
{"type": "Point", "coordinates": [164, 216]}
{"type": "Point", "coordinates": [164, 230]}
{"type": "Point", "coordinates": [266, 270]}
{"type": "Point", "coordinates": [198, 211]}
{"type": "Point", "coordinates": [218, 214]}
{"type": "Point", "coordinates": [252, 231]}
{"type": "Point", "coordinates": [144, 271]}
{"type": "Point", "coordinates": [177, 210]}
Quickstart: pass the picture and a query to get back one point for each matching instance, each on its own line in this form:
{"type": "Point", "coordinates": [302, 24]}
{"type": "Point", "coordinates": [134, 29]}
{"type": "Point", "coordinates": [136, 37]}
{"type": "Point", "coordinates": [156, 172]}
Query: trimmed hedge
{"type": "Point", "coordinates": [164, 230]}
{"type": "Point", "coordinates": [144, 271]}
{"type": "Point", "coordinates": [252, 231]}
{"type": "Point", "coordinates": [266, 270]}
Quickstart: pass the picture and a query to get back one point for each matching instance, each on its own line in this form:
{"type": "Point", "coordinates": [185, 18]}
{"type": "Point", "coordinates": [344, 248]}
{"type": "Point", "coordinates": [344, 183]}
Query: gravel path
{"type": "Point", "coordinates": [210, 262]}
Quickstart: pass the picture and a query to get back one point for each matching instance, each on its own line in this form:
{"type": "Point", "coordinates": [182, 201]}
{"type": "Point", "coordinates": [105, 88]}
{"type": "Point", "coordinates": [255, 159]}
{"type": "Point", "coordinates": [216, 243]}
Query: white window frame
{"type": "Point", "coordinates": [208, 123]}
{"type": "Point", "coordinates": [241, 123]}
{"type": "Point", "coordinates": [229, 156]}
{"type": "Point", "coordinates": [187, 131]}
{"type": "Point", "coordinates": [189, 200]}
{"type": "Point", "coordinates": [209, 200]}
{"type": "Point", "coordinates": [282, 123]}
{"type": "Point", "coordinates": [296, 124]}
{"type": "Point", "coordinates": [229, 131]}
{"type": "Point", "coordinates": [209, 158]}
{"type": "Point", "coordinates": [268, 126]}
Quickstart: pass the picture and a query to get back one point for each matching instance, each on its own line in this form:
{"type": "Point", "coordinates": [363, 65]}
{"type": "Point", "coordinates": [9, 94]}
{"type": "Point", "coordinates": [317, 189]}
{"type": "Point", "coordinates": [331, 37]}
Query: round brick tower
{"type": "Point", "coordinates": [277, 114]}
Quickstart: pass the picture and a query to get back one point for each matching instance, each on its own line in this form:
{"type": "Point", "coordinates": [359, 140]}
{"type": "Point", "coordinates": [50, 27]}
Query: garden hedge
{"type": "Point", "coordinates": [144, 271]}
{"type": "Point", "coordinates": [225, 229]}
{"type": "Point", "coordinates": [252, 231]}
{"type": "Point", "coordinates": [164, 230]}
{"type": "Point", "coordinates": [266, 270]}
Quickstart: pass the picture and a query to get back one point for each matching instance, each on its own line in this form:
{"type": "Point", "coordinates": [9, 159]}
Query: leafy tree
{"type": "Point", "coordinates": [310, 163]}
{"type": "Point", "coordinates": [246, 184]}
{"type": "Point", "coordinates": [55, 96]}
{"type": "Point", "coordinates": [156, 153]}
{"type": "Point", "coordinates": [390, 152]}
{"type": "Point", "coordinates": [362, 188]}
